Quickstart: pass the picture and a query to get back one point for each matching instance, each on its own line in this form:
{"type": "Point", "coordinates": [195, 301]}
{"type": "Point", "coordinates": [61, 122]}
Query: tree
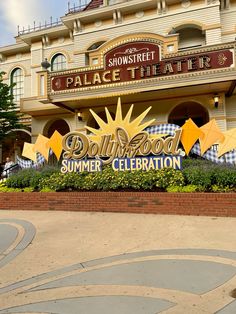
{"type": "Point", "coordinates": [9, 118]}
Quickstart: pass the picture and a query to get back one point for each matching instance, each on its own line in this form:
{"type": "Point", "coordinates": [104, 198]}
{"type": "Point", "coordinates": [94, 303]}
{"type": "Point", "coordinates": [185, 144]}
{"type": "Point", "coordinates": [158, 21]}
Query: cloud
{"type": "Point", "coordinates": [25, 12]}
{"type": "Point", "coordinates": [21, 13]}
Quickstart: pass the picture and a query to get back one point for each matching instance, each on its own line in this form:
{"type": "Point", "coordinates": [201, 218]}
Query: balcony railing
{"type": "Point", "coordinates": [91, 4]}
{"type": "Point", "coordinates": [83, 5]}
{"type": "Point", "coordinates": [78, 8]}
{"type": "Point", "coordinates": [39, 27]}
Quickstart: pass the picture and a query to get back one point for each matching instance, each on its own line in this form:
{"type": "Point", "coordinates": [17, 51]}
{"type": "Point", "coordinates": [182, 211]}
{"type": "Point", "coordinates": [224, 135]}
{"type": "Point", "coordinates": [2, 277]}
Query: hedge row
{"type": "Point", "coordinates": [197, 175]}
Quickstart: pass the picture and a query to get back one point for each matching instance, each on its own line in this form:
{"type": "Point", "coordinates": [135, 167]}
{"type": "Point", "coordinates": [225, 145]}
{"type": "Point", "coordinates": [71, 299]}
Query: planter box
{"type": "Point", "coordinates": [204, 204]}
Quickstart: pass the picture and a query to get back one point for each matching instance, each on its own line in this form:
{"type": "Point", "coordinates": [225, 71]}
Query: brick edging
{"type": "Point", "coordinates": [203, 204]}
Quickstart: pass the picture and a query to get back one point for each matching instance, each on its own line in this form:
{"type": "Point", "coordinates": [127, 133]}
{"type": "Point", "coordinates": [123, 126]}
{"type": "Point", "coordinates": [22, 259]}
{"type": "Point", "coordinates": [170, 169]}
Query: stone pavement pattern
{"type": "Point", "coordinates": [70, 263]}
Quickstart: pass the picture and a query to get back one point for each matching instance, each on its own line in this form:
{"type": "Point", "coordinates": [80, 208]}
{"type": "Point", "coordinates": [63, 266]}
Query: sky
{"type": "Point", "coordinates": [25, 12]}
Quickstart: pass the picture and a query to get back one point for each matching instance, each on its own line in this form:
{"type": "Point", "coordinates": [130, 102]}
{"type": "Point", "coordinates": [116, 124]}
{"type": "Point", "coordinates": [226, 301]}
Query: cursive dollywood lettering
{"type": "Point", "coordinates": [78, 146]}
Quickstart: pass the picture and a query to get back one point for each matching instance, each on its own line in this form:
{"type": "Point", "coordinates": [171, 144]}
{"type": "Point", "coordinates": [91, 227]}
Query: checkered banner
{"type": "Point", "coordinates": [25, 164]}
{"type": "Point", "coordinates": [210, 154]}
{"type": "Point", "coordinates": [168, 129]}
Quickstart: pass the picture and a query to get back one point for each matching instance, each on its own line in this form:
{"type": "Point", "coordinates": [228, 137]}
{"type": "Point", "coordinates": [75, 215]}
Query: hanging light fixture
{"type": "Point", "coordinates": [80, 116]}
{"type": "Point", "coordinates": [216, 99]}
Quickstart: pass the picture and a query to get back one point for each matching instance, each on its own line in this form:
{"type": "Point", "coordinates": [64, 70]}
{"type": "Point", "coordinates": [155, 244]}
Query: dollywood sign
{"type": "Point", "coordinates": [124, 145]}
{"type": "Point", "coordinates": [139, 153]}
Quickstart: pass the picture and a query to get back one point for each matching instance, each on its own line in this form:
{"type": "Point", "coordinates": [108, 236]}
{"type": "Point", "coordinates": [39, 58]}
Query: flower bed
{"type": "Point", "coordinates": [196, 176]}
{"type": "Point", "coordinates": [137, 191]}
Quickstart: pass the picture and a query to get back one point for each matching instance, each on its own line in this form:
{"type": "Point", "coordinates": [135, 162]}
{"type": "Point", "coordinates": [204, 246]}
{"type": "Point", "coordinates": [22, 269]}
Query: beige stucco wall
{"type": "Point", "coordinates": [217, 26]}
{"type": "Point", "coordinates": [231, 112]}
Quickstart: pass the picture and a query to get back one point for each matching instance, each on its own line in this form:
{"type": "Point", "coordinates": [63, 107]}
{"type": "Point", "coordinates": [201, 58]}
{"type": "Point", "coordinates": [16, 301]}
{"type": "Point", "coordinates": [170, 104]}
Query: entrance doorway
{"type": "Point", "coordinates": [12, 145]}
{"type": "Point", "coordinates": [187, 110]}
{"type": "Point", "coordinates": [63, 128]}
{"type": "Point", "coordinates": [59, 125]}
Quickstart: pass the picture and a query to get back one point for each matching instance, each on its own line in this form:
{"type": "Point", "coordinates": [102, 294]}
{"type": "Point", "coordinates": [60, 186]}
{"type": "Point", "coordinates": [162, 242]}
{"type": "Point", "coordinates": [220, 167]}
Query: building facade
{"type": "Point", "coordinates": [177, 56]}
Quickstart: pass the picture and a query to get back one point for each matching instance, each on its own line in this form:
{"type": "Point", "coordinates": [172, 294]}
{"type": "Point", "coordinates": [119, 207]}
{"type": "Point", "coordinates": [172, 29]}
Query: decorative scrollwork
{"type": "Point", "coordinates": [58, 83]}
{"type": "Point", "coordinates": [222, 59]}
{"type": "Point", "coordinates": [130, 51]}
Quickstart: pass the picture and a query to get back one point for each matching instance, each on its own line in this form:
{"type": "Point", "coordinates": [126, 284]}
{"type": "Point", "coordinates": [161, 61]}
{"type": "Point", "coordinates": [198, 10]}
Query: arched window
{"type": "Point", "coordinates": [190, 36]}
{"type": "Point", "coordinates": [58, 62]}
{"type": "Point", "coordinates": [17, 78]}
{"type": "Point", "coordinates": [96, 45]}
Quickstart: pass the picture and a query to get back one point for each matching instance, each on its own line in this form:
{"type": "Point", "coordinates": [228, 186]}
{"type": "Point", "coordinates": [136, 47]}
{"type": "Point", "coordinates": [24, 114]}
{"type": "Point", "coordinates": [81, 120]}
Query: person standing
{"type": "Point", "coordinates": [6, 170]}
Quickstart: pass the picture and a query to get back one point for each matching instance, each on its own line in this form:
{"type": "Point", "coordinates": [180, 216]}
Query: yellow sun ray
{"type": "Point", "coordinates": [132, 128]}
{"type": "Point", "coordinates": [94, 131]}
{"type": "Point", "coordinates": [99, 121]}
{"type": "Point", "coordinates": [118, 118]}
{"type": "Point", "coordinates": [144, 125]}
{"type": "Point", "coordinates": [109, 117]}
{"type": "Point", "coordinates": [140, 118]}
{"type": "Point", "coordinates": [128, 116]}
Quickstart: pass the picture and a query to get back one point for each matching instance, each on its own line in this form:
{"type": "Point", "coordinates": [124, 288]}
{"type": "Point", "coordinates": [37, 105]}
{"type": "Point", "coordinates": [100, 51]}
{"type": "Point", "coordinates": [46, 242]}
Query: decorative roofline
{"type": "Point", "coordinates": [84, 5]}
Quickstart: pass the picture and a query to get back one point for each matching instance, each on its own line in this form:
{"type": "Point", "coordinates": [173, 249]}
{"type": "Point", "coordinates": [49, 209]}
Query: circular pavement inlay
{"type": "Point", "coordinates": [8, 235]}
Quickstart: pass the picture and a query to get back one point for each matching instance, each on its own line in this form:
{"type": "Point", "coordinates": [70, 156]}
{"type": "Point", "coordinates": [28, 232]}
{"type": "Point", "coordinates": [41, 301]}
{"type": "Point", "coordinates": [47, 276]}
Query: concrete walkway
{"type": "Point", "coordinates": [106, 263]}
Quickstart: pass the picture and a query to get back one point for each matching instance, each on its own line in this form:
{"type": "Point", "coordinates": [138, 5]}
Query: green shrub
{"type": "Point", "coordinates": [196, 162]}
{"type": "Point", "coordinates": [47, 190]}
{"type": "Point", "coordinates": [29, 177]}
{"type": "Point", "coordinates": [21, 179]}
{"type": "Point", "coordinates": [207, 174]}
{"type": "Point", "coordinates": [169, 177]}
{"type": "Point", "coordinates": [225, 178]}
{"type": "Point", "coordinates": [184, 189]}
{"type": "Point", "coordinates": [6, 189]}
{"type": "Point", "coordinates": [220, 189]}
{"type": "Point", "coordinates": [197, 175]}
{"type": "Point", "coordinates": [109, 179]}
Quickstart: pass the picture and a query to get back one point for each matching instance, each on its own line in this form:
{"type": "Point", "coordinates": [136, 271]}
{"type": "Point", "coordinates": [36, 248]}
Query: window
{"type": "Point", "coordinates": [190, 37]}
{"type": "Point", "coordinates": [17, 79]}
{"type": "Point", "coordinates": [58, 62]}
{"type": "Point", "coordinates": [96, 45]}
{"type": "Point", "coordinates": [94, 61]}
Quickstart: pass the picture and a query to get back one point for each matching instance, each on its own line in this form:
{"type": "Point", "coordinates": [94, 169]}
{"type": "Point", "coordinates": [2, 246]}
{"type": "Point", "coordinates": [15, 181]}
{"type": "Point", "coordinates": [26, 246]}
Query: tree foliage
{"type": "Point", "coordinates": [9, 119]}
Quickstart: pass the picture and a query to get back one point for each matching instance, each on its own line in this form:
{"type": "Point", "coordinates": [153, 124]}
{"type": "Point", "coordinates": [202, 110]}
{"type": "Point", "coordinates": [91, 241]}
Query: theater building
{"type": "Point", "coordinates": [177, 56]}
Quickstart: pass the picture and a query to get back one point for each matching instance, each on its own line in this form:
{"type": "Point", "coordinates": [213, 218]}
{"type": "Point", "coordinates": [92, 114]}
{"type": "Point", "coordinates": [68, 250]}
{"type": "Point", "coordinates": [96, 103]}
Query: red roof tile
{"type": "Point", "coordinates": [93, 4]}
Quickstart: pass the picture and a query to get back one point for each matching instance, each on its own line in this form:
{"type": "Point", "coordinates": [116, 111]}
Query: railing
{"type": "Point", "coordinates": [82, 5]}
{"type": "Point", "coordinates": [8, 171]}
{"type": "Point", "coordinates": [41, 26]}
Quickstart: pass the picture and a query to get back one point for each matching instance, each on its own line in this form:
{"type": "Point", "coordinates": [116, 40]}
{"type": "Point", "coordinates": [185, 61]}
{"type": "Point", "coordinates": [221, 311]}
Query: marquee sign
{"type": "Point", "coordinates": [139, 61]}
{"type": "Point", "coordinates": [142, 53]}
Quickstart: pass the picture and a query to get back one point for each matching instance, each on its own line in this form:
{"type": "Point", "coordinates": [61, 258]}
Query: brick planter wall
{"type": "Point", "coordinates": [208, 204]}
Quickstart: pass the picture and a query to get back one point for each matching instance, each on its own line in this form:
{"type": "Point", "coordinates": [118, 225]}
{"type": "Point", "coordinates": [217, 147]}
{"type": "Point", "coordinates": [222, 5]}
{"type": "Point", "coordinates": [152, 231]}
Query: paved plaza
{"type": "Point", "coordinates": [107, 263]}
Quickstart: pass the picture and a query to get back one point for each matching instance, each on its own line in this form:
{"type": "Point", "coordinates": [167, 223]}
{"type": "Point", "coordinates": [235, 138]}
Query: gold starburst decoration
{"type": "Point", "coordinates": [131, 127]}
